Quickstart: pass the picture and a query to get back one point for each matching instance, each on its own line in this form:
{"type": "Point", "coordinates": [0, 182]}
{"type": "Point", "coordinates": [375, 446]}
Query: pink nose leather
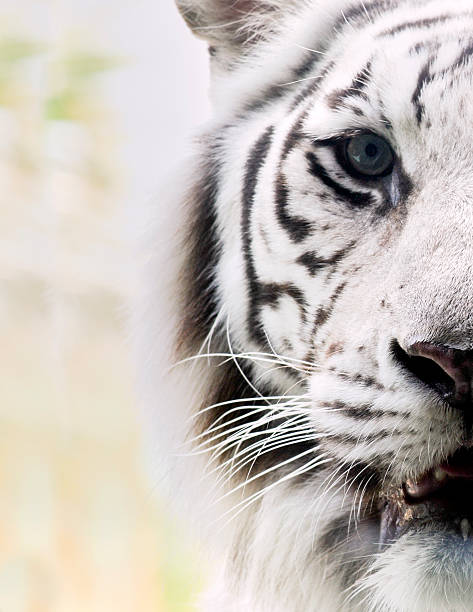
{"type": "Point", "coordinates": [456, 363]}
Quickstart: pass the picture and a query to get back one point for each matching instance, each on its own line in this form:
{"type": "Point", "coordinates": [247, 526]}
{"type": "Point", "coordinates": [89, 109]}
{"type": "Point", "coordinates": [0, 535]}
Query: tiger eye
{"type": "Point", "coordinates": [369, 155]}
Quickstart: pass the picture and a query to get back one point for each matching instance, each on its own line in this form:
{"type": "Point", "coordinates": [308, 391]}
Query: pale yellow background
{"type": "Point", "coordinates": [96, 99]}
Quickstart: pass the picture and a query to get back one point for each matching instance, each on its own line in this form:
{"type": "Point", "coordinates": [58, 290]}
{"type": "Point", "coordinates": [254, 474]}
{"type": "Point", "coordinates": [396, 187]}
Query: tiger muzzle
{"type": "Point", "coordinates": [442, 496]}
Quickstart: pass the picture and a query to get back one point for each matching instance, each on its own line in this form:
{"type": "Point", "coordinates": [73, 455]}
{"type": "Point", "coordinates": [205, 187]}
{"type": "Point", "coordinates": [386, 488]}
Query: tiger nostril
{"type": "Point", "coordinates": [446, 370]}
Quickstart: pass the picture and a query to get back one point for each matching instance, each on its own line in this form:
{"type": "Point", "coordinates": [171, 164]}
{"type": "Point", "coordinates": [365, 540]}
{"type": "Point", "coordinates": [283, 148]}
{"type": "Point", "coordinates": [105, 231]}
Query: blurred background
{"type": "Point", "coordinates": [97, 100]}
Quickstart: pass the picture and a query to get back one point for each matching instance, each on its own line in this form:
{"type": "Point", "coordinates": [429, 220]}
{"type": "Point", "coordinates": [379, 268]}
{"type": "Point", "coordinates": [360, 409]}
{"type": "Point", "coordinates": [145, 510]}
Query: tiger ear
{"type": "Point", "coordinates": [232, 27]}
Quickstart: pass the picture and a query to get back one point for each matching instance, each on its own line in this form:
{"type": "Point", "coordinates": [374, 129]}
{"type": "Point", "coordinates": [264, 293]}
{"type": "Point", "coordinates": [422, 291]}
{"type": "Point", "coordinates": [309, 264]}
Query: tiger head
{"type": "Point", "coordinates": [322, 305]}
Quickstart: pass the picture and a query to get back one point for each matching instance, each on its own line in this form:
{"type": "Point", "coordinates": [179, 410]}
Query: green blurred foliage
{"type": "Point", "coordinates": [13, 49]}
{"type": "Point", "coordinates": [71, 96]}
{"type": "Point", "coordinates": [78, 70]}
{"type": "Point", "coordinates": [81, 65]}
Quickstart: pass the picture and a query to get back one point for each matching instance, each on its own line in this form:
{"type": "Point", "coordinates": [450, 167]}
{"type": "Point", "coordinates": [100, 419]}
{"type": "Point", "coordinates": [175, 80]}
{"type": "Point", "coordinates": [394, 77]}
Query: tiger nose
{"type": "Point", "coordinates": [446, 370]}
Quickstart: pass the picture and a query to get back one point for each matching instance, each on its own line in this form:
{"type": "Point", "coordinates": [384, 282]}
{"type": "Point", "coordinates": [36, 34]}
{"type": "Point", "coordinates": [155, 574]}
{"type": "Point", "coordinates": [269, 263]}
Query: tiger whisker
{"type": "Point", "coordinates": [219, 26]}
{"type": "Point", "coordinates": [296, 430]}
{"type": "Point", "coordinates": [392, 462]}
{"type": "Point", "coordinates": [328, 483]}
{"type": "Point", "coordinates": [294, 398]}
{"type": "Point", "coordinates": [235, 361]}
{"type": "Point", "coordinates": [237, 438]}
{"type": "Point", "coordinates": [278, 408]}
{"type": "Point", "coordinates": [278, 433]}
{"type": "Point", "coordinates": [309, 49]}
{"type": "Point", "coordinates": [268, 372]}
{"type": "Point", "coordinates": [312, 78]}
{"type": "Point", "coordinates": [232, 440]}
{"type": "Point", "coordinates": [357, 517]}
{"type": "Point", "coordinates": [243, 435]}
{"type": "Point", "coordinates": [347, 21]}
{"type": "Point", "coordinates": [247, 454]}
{"type": "Point", "coordinates": [277, 444]}
{"type": "Point", "coordinates": [208, 339]}
{"type": "Point", "coordinates": [284, 359]}
{"type": "Point", "coordinates": [243, 505]}
{"type": "Point", "coordinates": [227, 357]}
{"type": "Point", "coordinates": [287, 425]}
{"type": "Point", "coordinates": [224, 429]}
{"type": "Point", "coordinates": [354, 499]}
{"type": "Point", "coordinates": [366, 11]}
{"type": "Point", "coordinates": [269, 470]}
{"type": "Point", "coordinates": [294, 409]}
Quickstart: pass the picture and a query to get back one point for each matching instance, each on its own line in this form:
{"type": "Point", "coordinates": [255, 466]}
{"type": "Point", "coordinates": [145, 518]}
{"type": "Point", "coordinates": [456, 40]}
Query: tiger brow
{"type": "Point", "coordinates": [337, 136]}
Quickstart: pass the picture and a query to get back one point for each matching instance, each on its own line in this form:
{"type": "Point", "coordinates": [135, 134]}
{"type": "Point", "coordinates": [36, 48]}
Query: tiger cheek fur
{"type": "Point", "coordinates": [316, 288]}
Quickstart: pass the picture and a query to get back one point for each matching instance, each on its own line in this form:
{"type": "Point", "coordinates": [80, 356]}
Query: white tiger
{"type": "Point", "coordinates": [311, 270]}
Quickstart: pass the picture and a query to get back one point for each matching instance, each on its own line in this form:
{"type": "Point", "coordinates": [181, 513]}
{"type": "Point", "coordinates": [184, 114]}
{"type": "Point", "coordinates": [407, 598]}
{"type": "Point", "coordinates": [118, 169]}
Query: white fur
{"type": "Point", "coordinates": [409, 279]}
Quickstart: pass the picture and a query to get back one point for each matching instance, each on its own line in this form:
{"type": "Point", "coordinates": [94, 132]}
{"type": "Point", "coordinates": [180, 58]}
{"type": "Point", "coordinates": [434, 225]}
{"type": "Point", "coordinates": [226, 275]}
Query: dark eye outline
{"type": "Point", "coordinates": [343, 158]}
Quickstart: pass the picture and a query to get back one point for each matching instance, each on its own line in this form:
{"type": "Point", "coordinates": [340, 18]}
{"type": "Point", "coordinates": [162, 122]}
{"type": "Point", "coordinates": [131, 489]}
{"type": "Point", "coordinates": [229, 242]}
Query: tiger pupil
{"type": "Point", "coordinates": [368, 155]}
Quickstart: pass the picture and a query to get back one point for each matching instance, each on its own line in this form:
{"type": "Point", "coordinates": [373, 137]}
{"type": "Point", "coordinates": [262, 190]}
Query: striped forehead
{"type": "Point", "coordinates": [381, 76]}
{"type": "Point", "coordinates": [394, 87]}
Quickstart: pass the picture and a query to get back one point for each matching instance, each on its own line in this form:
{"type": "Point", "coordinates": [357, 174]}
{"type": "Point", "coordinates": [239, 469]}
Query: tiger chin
{"type": "Point", "coordinates": [303, 316]}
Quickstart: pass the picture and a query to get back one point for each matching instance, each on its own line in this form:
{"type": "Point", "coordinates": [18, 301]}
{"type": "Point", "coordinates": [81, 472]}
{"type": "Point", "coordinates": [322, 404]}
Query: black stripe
{"type": "Point", "coordinates": [431, 45]}
{"type": "Point", "coordinates": [255, 161]}
{"type": "Point", "coordinates": [362, 411]}
{"type": "Point", "coordinates": [267, 96]}
{"type": "Point", "coordinates": [364, 14]}
{"type": "Point", "coordinates": [366, 381]}
{"type": "Point", "coordinates": [298, 228]}
{"type": "Point", "coordinates": [261, 294]}
{"type": "Point", "coordinates": [314, 263]}
{"type": "Point", "coordinates": [355, 440]}
{"type": "Point", "coordinates": [321, 317]}
{"type": "Point", "coordinates": [357, 111]}
{"type": "Point", "coordinates": [310, 61]}
{"type": "Point", "coordinates": [337, 98]}
{"type": "Point", "coordinates": [421, 23]}
{"type": "Point", "coordinates": [323, 313]}
{"type": "Point", "coordinates": [385, 121]}
{"type": "Point", "coordinates": [270, 294]}
{"type": "Point", "coordinates": [300, 72]}
{"type": "Point", "coordinates": [461, 59]}
{"type": "Point", "coordinates": [357, 199]}
{"type": "Point", "coordinates": [426, 76]}
{"type": "Point", "coordinates": [313, 86]}
{"type": "Point", "coordinates": [202, 245]}
{"type": "Point", "coordinates": [294, 136]}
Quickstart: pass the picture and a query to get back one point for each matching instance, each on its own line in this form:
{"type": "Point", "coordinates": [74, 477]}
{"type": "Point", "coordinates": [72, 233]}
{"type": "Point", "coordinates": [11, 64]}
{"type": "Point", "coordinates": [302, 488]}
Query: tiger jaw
{"type": "Point", "coordinates": [439, 500]}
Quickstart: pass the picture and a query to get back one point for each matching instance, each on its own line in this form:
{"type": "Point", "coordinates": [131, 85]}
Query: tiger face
{"type": "Point", "coordinates": [322, 305]}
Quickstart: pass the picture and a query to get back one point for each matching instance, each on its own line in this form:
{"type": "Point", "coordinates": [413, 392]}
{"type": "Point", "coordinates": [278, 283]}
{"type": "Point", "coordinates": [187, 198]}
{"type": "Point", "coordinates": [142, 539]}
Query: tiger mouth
{"type": "Point", "coordinates": [440, 499]}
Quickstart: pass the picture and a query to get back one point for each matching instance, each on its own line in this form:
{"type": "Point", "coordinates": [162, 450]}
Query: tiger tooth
{"type": "Point", "coordinates": [426, 485]}
{"type": "Point", "coordinates": [465, 528]}
{"type": "Point", "coordinates": [440, 475]}
{"type": "Point", "coordinates": [412, 488]}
